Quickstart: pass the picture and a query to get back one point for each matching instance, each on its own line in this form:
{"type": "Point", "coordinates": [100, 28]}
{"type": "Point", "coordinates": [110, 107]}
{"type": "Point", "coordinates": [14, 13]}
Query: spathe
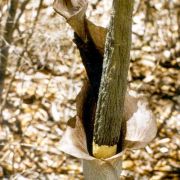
{"type": "Point", "coordinates": [74, 12]}
{"type": "Point", "coordinates": [140, 130]}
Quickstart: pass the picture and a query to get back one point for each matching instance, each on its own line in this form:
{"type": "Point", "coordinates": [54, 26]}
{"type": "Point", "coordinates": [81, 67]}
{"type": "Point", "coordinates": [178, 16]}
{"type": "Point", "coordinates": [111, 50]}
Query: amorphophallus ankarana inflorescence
{"type": "Point", "coordinates": [139, 126]}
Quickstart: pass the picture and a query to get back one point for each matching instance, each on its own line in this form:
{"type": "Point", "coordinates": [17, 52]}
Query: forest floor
{"type": "Point", "coordinates": [44, 87]}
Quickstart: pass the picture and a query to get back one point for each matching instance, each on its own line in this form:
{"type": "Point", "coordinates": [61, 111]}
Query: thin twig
{"type": "Point", "coordinates": [22, 8]}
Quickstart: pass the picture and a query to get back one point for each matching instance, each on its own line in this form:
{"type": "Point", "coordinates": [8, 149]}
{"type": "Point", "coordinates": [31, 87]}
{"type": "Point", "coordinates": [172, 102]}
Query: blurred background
{"type": "Point", "coordinates": [44, 74]}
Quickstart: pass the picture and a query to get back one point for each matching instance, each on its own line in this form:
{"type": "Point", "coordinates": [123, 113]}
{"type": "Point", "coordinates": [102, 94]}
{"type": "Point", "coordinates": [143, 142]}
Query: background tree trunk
{"type": "Point", "coordinates": [109, 113]}
{"type": "Point", "coordinates": [7, 38]}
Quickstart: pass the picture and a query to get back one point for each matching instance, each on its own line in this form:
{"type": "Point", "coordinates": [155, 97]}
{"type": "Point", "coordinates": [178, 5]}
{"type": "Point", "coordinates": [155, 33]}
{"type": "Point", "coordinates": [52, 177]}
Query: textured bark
{"type": "Point", "coordinates": [110, 107]}
{"type": "Point", "coordinates": [8, 34]}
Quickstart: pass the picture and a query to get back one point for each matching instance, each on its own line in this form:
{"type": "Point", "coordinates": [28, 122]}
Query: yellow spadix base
{"type": "Point", "coordinates": [103, 151]}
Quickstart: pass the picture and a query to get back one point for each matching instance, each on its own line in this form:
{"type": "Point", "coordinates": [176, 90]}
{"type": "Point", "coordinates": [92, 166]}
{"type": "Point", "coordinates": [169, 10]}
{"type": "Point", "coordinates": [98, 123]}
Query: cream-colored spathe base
{"type": "Point", "coordinates": [103, 152]}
